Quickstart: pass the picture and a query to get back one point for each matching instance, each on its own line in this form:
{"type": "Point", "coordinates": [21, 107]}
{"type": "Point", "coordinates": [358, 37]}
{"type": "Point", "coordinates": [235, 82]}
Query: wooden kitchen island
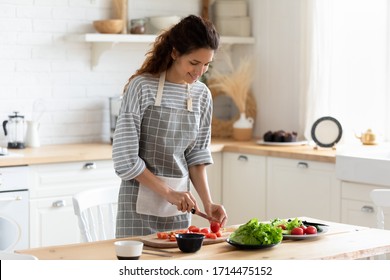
{"type": "Point", "coordinates": [341, 241]}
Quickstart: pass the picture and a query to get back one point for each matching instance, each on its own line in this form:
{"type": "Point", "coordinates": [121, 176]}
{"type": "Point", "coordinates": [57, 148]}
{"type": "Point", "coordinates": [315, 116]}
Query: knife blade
{"type": "Point", "coordinates": [157, 254]}
{"type": "Point", "coordinates": [203, 215]}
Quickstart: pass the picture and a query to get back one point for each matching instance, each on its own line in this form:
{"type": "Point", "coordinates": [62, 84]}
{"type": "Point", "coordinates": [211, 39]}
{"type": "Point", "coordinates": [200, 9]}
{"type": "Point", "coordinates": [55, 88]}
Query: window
{"type": "Point", "coordinates": [349, 66]}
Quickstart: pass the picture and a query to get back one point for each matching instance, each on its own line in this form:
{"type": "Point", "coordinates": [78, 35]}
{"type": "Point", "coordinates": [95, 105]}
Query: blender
{"type": "Point", "coordinates": [14, 129]}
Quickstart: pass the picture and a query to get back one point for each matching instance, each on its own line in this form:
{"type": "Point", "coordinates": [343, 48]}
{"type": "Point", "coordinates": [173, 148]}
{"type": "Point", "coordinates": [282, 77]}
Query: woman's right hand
{"type": "Point", "coordinates": [184, 201]}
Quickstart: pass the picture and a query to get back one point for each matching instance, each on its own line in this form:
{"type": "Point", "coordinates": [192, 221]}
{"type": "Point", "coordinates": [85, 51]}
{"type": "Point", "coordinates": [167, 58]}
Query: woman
{"type": "Point", "coordinates": [163, 132]}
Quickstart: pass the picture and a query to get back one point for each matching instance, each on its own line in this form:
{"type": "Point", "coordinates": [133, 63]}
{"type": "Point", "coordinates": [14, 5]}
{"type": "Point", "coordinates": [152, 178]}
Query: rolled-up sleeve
{"type": "Point", "coordinates": [200, 153]}
{"type": "Point", "coordinates": [127, 163]}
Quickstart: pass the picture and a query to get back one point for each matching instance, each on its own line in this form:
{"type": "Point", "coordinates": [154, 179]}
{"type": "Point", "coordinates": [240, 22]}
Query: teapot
{"type": "Point", "coordinates": [367, 138]}
{"type": "Point", "coordinates": [14, 129]}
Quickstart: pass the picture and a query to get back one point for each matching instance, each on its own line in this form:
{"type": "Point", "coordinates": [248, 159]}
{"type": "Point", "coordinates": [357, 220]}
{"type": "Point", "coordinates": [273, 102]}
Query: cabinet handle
{"type": "Point", "coordinates": [11, 198]}
{"type": "Point", "coordinates": [367, 209]}
{"type": "Point", "coordinates": [303, 165]}
{"type": "Point", "coordinates": [90, 165]}
{"type": "Point", "coordinates": [59, 203]}
{"type": "Point", "coordinates": [242, 158]}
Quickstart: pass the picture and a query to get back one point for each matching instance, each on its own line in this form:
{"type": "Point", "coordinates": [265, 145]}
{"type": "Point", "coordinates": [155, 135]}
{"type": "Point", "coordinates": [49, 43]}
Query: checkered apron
{"type": "Point", "coordinates": [166, 133]}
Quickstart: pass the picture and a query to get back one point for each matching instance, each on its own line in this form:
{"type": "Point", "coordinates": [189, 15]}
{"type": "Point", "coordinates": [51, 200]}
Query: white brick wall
{"type": "Point", "coordinates": [39, 65]}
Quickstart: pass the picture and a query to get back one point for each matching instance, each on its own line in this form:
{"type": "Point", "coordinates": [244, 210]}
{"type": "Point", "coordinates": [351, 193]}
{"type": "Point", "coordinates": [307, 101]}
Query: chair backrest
{"type": "Point", "coordinates": [96, 212]}
{"type": "Point", "coordinates": [11, 235]}
{"type": "Point", "coordinates": [381, 199]}
{"type": "Point", "coordinates": [16, 256]}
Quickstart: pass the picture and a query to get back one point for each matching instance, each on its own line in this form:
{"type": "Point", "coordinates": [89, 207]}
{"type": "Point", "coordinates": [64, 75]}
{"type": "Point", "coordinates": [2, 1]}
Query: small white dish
{"type": "Point", "coordinates": [128, 249]}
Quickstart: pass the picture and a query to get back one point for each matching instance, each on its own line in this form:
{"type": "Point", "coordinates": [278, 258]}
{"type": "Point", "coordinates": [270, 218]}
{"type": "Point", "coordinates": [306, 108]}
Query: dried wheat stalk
{"type": "Point", "coordinates": [236, 84]}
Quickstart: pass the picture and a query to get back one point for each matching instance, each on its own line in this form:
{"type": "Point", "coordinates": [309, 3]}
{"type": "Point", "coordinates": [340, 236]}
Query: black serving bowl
{"type": "Point", "coordinates": [189, 242]}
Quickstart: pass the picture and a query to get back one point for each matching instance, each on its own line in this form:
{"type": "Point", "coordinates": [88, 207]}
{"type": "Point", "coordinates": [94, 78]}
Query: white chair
{"type": "Point", "coordinates": [16, 256]}
{"type": "Point", "coordinates": [96, 212]}
{"type": "Point", "coordinates": [381, 199]}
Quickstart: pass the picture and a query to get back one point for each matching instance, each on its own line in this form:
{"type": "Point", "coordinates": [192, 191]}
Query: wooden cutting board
{"type": "Point", "coordinates": [152, 241]}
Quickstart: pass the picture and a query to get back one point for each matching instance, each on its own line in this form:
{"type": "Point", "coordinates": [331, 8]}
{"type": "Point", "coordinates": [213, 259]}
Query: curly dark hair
{"type": "Point", "coordinates": [191, 33]}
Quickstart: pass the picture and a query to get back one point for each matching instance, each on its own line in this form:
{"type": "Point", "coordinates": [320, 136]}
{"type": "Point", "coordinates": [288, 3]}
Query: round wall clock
{"type": "Point", "coordinates": [326, 131]}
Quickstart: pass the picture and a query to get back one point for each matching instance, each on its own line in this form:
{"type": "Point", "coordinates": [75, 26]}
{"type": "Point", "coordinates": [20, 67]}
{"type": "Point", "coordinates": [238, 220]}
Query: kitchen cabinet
{"type": "Point", "coordinates": [214, 176]}
{"type": "Point", "coordinates": [357, 207]}
{"type": "Point", "coordinates": [105, 42]}
{"type": "Point", "coordinates": [244, 187]}
{"type": "Point", "coordinates": [52, 220]}
{"type": "Point", "coordinates": [302, 188]}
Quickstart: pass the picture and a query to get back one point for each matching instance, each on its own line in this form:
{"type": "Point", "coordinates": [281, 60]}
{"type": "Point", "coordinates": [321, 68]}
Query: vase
{"type": "Point", "coordinates": [243, 128]}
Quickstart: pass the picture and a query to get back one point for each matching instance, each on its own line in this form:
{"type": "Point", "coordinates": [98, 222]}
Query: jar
{"type": "Point", "coordinates": [137, 26]}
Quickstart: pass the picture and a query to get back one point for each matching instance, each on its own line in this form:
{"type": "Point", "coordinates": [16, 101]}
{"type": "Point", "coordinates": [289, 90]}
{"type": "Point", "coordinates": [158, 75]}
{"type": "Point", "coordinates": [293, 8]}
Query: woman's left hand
{"type": "Point", "coordinates": [217, 212]}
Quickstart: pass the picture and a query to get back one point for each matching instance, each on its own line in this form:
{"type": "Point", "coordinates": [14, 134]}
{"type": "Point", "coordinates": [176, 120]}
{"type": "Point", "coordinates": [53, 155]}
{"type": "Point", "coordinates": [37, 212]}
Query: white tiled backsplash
{"type": "Point", "coordinates": [40, 66]}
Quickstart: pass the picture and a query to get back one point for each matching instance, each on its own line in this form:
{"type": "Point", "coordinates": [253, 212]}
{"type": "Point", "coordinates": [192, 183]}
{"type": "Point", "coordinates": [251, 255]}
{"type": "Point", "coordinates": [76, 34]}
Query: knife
{"type": "Point", "coordinates": [306, 223]}
{"type": "Point", "coordinates": [157, 254]}
{"type": "Point", "coordinates": [203, 215]}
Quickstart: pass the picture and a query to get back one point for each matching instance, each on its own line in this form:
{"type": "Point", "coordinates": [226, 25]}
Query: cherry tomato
{"type": "Point", "coordinates": [219, 234]}
{"type": "Point", "coordinates": [282, 227]}
{"type": "Point", "coordinates": [205, 230]}
{"type": "Point", "coordinates": [311, 230]}
{"type": "Point", "coordinates": [215, 227]}
{"type": "Point", "coordinates": [211, 235]}
{"type": "Point", "coordinates": [297, 231]}
{"type": "Point", "coordinates": [303, 227]}
{"type": "Point", "coordinates": [172, 237]}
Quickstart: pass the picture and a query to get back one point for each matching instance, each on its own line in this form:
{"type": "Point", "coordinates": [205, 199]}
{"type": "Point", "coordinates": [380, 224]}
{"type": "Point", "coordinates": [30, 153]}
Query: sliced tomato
{"type": "Point", "coordinates": [181, 231]}
{"type": "Point", "coordinates": [172, 237]}
{"type": "Point", "coordinates": [162, 235]}
{"type": "Point", "coordinates": [205, 230]}
{"type": "Point", "coordinates": [211, 235]}
{"type": "Point", "coordinates": [193, 229]}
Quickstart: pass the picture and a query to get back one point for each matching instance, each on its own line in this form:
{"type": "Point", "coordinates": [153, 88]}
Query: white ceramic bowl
{"type": "Point", "coordinates": [128, 249]}
{"type": "Point", "coordinates": [158, 24]}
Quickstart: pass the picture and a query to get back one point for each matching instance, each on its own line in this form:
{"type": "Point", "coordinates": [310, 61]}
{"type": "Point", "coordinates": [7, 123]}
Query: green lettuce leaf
{"type": "Point", "coordinates": [255, 233]}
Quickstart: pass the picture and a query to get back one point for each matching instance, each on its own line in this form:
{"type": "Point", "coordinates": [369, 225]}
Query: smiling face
{"type": "Point", "coordinates": [190, 67]}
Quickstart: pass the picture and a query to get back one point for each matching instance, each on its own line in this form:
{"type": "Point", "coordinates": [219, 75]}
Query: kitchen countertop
{"type": "Point", "coordinates": [103, 151]}
{"type": "Point", "coordinates": [341, 241]}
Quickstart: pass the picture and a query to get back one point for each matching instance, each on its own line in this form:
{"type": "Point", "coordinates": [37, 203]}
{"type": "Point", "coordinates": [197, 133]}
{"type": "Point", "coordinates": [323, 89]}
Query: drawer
{"type": "Point", "coordinates": [356, 191]}
{"type": "Point", "coordinates": [70, 178]}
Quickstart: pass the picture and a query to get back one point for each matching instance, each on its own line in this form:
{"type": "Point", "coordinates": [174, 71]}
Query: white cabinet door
{"type": "Point", "coordinates": [214, 176]}
{"type": "Point", "coordinates": [302, 188]}
{"type": "Point", "coordinates": [357, 207]}
{"type": "Point", "coordinates": [244, 183]}
{"type": "Point", "coordinates": [52, 220]}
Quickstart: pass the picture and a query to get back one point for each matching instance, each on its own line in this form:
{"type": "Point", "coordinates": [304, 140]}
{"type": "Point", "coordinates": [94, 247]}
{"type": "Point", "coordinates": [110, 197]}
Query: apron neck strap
{"type": "Point", "coordinates": [160, 89]}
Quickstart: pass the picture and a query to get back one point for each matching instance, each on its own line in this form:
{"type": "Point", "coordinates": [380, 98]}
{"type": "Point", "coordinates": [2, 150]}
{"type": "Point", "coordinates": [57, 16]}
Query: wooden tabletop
{"type": "Point", "coordinates": [341, 241]}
